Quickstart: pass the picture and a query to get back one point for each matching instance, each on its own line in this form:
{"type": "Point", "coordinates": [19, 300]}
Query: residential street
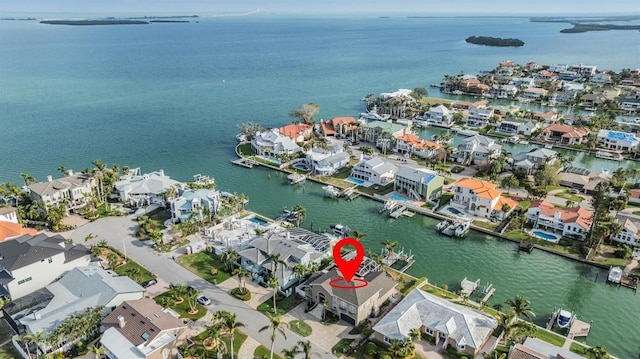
{"type": "Point", "coordinates": [119, 231]}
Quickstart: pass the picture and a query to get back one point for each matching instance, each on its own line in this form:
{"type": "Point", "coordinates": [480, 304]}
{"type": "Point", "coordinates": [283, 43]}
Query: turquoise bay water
{"type": "Point", "coordinates": [171, 95]}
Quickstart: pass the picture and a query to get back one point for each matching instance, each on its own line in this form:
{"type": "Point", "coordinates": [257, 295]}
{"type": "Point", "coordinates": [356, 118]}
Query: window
{"type": "Point", "coordinates": [461, 347]}
{"type": "Point", "coordinates": [50, 260]}
{"type": "Point", "coordinates": [352, 309]}
{"type": "Point", "coordinates": [145, 336]}
{"type": "Point", "coordinates": [165, 353]}
{"type": "Point", "coordinates": [387, 340]}
{"type": "Point", "coordinates": [428, 331]}
{"type": "Point", "coordinates": [343, 305]}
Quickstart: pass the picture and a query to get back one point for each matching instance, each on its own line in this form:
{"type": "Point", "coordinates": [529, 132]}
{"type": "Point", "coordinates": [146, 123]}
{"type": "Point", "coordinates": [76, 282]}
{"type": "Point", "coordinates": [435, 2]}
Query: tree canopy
{"type": "Point", "coordinates": [305, 112]}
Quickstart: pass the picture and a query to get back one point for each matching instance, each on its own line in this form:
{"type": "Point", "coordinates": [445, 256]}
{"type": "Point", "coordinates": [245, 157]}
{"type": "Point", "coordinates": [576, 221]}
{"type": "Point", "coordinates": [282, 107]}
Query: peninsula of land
{"type": "Point", "coordinates": [494, 41]}
{"type": "Point", "coordinates": [94, 22]}
{"type": "Point", "coordinates": [590, 24]}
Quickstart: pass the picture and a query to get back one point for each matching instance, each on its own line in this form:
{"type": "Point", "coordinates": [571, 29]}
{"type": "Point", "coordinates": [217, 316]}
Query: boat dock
{"type": "Point", "coordinates": [525, 246]}
{"type": "Point", "coordinates": [481, 293]}
{"type": "Point", "coordinates": [400, 261]}
{"type": "Point", "coordinates": [629, 282]}
{"type": "Point", "coordinates": [389, 205]}
{"type": "Point", "coordinates": [468, 286]}
{"type": "Point", "coordinates": [397, 212]}
{"type": "Point", "coordinates": [296, 178]}
{"type": "Point", "coordinates": [245, 162]}
{"type": "Point", "coordinates": [579, 329]}
{"type": "Point", "coordinates": [349, 193]}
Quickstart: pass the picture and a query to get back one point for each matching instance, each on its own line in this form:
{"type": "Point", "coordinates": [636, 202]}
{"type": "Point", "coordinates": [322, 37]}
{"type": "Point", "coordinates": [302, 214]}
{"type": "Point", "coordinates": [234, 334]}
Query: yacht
{"type": "Point", "coordinates": [373, 115]}
{"type": "Point", "coordinates": [331, 191]}
{"type": "Point", "coordinates": [615, 275]}
{"type": "Point", "coordinates": [565, 318]}
{"type": "Point", "coordinates": [340, 230]}
{"type": "Point", "coordinates": [514, 139]}
{"type": "Point", "coordinates": [443, 224]}
{"type": "Point", "coordinates": [614, 156]}
{"type": "Point", "coordinates": [462, 229]}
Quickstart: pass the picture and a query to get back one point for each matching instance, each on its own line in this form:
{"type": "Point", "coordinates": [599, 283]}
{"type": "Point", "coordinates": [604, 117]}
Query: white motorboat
{"type": "Point", "coordinates": [614, 156]}
{"type": "Point", "coordinates": [615, 275]}
{"type": "Point", "coordinates": [331, 191]}
{"type": "Point", "coordinates": [514, 139]}
{"type": "Point", "coordinates": [466, 132]}
{"type": "Point", "coordinates": [373, 115]}
{"type": "Point", "coordinates": [565, 318]}
{"type": "Point", "coordinates": [462, 229]}
{"type": "Point", "coordinates": [443, 224]}
{"type": "Point", "coordinates": [340, 230]}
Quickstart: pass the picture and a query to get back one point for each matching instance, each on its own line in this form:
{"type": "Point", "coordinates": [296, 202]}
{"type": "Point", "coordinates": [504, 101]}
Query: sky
{"type": "Point", "coordinates": [405, 7]}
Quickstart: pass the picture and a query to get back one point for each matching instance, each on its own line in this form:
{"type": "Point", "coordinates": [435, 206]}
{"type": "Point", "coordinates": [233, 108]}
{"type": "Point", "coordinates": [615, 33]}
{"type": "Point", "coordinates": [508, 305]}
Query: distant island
{"type": "Point", "coordinates": [494, 41]}
{"type": "Point", "coordinates": [585, 24]}
{"type": "Point", "coordinates": [94, 22]}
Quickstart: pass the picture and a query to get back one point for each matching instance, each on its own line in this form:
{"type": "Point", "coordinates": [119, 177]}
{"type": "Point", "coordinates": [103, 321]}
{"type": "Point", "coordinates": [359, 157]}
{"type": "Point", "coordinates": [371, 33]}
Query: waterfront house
{"type": "Point", "coordinates": [295, 246]}
{"type": "Point", "coordinates": [534, 348]}
{"type": "Point", "coordinates": [584, 70]}
{"type": "Point", "coordinates": [327, 162]}
{"type": "Point", "coordinates": [569, 222]}
{"type": "Point", "coordinates": [545, 75]}
{"type": "Point", "coordinates": [80, 288]}
{"type": "Point", "coordinates": [340, 127]}
{"type": "Point", "coordinates": [478, 117]}
{"type": "Point", "coordinates": [30, 262]}
{"type": "Point", "coordinates": [419, 183]}
{"type": "Point", "coordinates": [582, 179]}
{"type": "Point", "coordinates": [297, 132]}
{"type": "Point", "coordinates": [9, 226]}
{"type": "Point", "coordinates": [569, 75]}
{"type": "Point", "coordinates": [532, 66]}
{"type": "Point", "coordinates": [439, 116]}
{"type": "Point", "coordinates": [548, 117]}
{"type": "Point", "coordinates": [503, 91]}
{"type": "Point", "coordinates": [8, 214]}
{"type": "Point", "coordinates": [533, 93]}
{"type": "Point", "coordinates": [73, 190]}
{"type": "Point", "coordinates": [573, 86]}
{"type": "Point", "coordinates": [480, 198]}
{"type": "Point", "coordinates": [349, 304]}
{"type": "Point", "coordinates": [477, 149]}
{"type": "Point", "coordinates": [149, 188]}
{"type": "Point", "coordinates": [563, 96]}
{"type": "Point", "coordinates": [558, 67]}
{"type": "Point", "coordinates": [271, 143]}
{"type": "Point", "coordinates": [530, 161]}
{"type": "Point", "coordinates": [453, 325]}
{"type": "Point", "coordinates": [413, 145]}
{"type": "Point", "coordinates": [630, 103]}
{"type": "Point", "coordinates": [618, 141]}
{"type": "Point", "coordinates": [630, 233]}
{"type": "Point", "coordinates": [593, 100]}
{"type": "Point", "coordinates": [142, 329]}
{"type": "Point", "coordinates": [465, 105]}
{"type": "Point", "coordinates": [399, 104]}
{"type": "Point", "coordinates": [600, 78]}
{"type": "Point", "coordinates": [517, 127]}
{"type": "Point", "coordinates": [523, 82]}
{"type": "Point", "coordinates": [375, 170]}
{"type": "Point", "coordinates": [565, 134]}
{"type": "Point", "coordinates": [374, 129]}
{"type": "Point", "coordinates": [194, 204]}
{"type": "Point", "coordinates": [609, 92]}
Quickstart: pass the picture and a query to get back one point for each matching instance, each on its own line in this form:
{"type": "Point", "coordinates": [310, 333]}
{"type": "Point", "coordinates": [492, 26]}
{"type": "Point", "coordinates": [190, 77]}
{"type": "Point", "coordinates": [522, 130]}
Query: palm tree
{"type": "Point", "coordinates": [229, 324]}
{"type": "Point", "coordinates": [300, 213]}
{"type": "Point", "coordinates": [299, 271]}
{"type": "Point", "coordinates": [229, 257]}
{"type": "Point", "coordinates": [290, 353]}
{"type": "Point", "coordinates": [513, 329]}
{"type": "Point", "coordinates": [97, 351]}
{"type": "Point", "coordinates": [27, 178]}
{"type": "Point", "coordinates": [521, 306]}
{"type": "Point", "coordinates": [63, 170]}
{"type": "Point", "coordinates": [242, 274]}
{"type": "Point", "coordinates": [99, 174]}
{"type": "Point", "coordinates": [134, 273]}
{"type": "Point", "coordinates": [415, 334]}
{"type": "Point", "coordinates": [274, 283]}
{"type": "Point", "coordinates": [359, 236]}
{"type": "Point", "coordinates": [275, 325]}
{"type": "Point", "coordinates": [389, 245]}
{"type": "Point", "coordinates": [96, 251]}
{"type": "Point", "coordinates": [305, 347]}
{"type": "Point", "coordinates": [27, 339]}
{"type": "Point", "coordinates": [276, 260]}
{"type": "Point", "coordinates": [89, 238]}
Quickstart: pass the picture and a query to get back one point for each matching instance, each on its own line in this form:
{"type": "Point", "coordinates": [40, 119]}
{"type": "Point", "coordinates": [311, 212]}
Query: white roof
{"type": "Point", "coordinates": [400, 92]}
{"type": "Point", "coordinates": [118, 345]}
{"type": "Point", "coordinates": [418, 308]}
{"type": "Point", "coordinates": [150, 183]}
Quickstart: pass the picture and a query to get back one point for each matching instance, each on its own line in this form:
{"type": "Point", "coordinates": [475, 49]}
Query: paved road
{"type": "Point", "coordinates": [119, 231]}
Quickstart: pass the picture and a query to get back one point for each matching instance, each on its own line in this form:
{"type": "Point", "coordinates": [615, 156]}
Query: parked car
{"type": "Point", "coordinates": [203, 300]}
{"type": "Point", "coordinates": [149, 283]}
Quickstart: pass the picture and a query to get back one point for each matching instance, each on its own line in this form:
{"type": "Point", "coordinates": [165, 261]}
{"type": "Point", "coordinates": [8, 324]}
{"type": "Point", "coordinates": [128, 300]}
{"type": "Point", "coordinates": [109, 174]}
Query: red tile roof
{"type": "Point", "coordinates": [10, 230]}
{"type": "Point", "coordinates": [482, 189]}
{"type": "Point", "coordinates": [577, 215]}
{"type": "Point", "coordinates": [294, 130]}
{"type": "Point", "coordinates": [329, 127]}
{"type": "Point", "coordinates": [566, 130]}
{"type": "Point", "coordinates": [416, 142]}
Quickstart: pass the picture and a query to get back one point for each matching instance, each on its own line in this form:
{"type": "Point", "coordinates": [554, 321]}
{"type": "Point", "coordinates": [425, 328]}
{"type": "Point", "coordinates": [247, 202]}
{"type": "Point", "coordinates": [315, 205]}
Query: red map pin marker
{"type": "Point", "coordinates": [348, 268]}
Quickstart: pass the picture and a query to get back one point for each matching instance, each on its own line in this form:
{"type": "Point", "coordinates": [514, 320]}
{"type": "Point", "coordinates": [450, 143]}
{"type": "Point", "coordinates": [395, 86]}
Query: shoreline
{"type": "Point", "coordinates": [429, 213]}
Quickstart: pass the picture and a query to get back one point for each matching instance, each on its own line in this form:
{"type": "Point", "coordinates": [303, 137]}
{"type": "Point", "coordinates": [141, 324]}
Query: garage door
{"type": "Point", "coordinates": [347, 319]}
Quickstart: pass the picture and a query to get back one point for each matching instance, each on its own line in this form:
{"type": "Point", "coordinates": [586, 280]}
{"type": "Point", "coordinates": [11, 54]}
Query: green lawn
{"type": "Point", "coordinates": [573, 249]}
{"type": "Point", "coordinates": [238, 339]}
{"type": "Point", "coordinates": [298, 326]}
{"type": "Point", "coordinates": [342, 346]}
{"type": "Point", "coordinates": [263, 352]}
{"type": "Point", "coordinates": [488, 225]}
{"type": "Point", "coordinates": [430, 288]}
{"type": "Point", "coordinates": [570, 196]}
{"type": "Point", "coordinates": [524, 204]}
{"type": "Point", "coordinates": [127, 269]}
{"type": "Point", "coordinates": [550, 337]}
{"type": "Point", "coordinates": [578, 348]}
{"type": "Point", "coordinates": [182, 308]}
{"type": "Point", "coordinates": [613, 261]}
{"type": "Point", "coordinates": [283, 305]}
{"type": "Point", "coordinates": [245, 149]}
{"type": "Point", "coordinates": [201, 264]}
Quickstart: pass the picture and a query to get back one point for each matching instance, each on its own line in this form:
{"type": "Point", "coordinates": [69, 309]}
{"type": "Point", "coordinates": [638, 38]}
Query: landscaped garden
{"type": "Point", "coordinates": [182, 302]}
{"type": "Point", "coordinates": [283, 304]}
{"type": "Point", "coordinates": [122, 266]}
{"type": "Point", "coordinates": [300, 327]}
{"type": "Point", "coordinates": [263, 352]}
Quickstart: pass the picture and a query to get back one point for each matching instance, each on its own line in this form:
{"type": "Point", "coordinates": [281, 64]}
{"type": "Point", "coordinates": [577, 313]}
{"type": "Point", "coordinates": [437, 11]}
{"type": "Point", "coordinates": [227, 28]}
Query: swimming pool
{"type": "Point", "coordinates": [455, 211]}
{"type": "Point", "coordinates": [259, 221]}
{"type": "Point", "coordinates": [398, 197]}
{"type": "Point", "coordinates": [357, 181]}
{"type": "Point", "coordinates": [546, 236]}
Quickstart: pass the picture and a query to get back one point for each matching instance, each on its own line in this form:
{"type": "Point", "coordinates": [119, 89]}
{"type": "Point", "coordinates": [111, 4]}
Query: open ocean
{"type": "Point", "coordinates": [171, 96]}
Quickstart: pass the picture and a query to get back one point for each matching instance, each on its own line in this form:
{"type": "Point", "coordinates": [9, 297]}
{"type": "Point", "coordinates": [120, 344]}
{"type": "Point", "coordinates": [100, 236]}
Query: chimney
{"type": "Point", "coordinates": [69, 172]}
{"type": "Point", "coordinates": [161, 173]}
{"type": "Point", "coordinates": [36, 315]}
{"type": "Point", "coordinates": [49, 178]}
{"type": "Point", "coordinates": [121, 321]}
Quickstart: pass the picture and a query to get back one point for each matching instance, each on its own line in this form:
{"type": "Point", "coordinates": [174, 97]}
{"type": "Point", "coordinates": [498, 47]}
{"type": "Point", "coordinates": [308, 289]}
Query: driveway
{"type": "Point", "coordinates": [119, 232]}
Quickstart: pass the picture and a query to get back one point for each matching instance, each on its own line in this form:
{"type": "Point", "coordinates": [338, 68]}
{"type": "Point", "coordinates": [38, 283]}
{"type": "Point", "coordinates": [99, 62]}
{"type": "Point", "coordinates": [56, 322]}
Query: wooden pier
{"type": "Point", "coordinates": [525, 246]}
{"type": "Point", "coordinates": [629, 282]}
{"type": "Point", "coordinates": [397, 212]}
{"type": "Point", "coordinates": [296, 178]}
{"type": "Point", "coordinates": [579, 329]}
{"type": "Point", "coordinates": [245, 162]}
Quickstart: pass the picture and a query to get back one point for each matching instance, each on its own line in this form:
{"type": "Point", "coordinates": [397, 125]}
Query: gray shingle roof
{"type": "Point", "coordinates": [378, 282]}
{"type": "Point", "coordinates": [51, 187]}
{"type": "Point", "coordinates": [418, 308]}
{"type": "Point", "coordinates": [27, 249]}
